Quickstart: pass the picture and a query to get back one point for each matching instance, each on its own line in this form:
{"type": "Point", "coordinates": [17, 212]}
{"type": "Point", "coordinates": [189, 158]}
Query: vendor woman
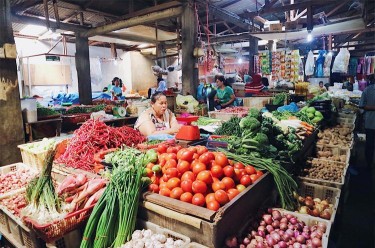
{"type": "Point", "coordinates": [157, 119]}
{"type": "Point", "coordinates": [224, 94]}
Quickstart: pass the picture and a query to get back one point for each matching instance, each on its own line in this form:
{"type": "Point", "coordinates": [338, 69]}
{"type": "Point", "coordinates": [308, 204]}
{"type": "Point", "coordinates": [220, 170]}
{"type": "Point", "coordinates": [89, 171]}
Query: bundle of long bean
{"type": "Point", "coordinates": [284, 182]}
{"type": "Point", "coordinates": [43, 202]}
{"type": "Point", "coordinates": [113, 218]}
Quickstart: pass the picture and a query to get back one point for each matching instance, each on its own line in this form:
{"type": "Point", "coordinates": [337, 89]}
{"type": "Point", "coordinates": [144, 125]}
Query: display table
{"type": "Point", "coordinates": [44, 127]}
{"type": "Point", "coordinates": [122, 121]}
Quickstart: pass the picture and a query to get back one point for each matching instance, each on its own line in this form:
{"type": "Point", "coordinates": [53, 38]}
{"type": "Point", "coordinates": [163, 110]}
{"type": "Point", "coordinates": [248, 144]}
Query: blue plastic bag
{"type": "Point", "coordinates": [291, 108]}
{"type": "Point", "coordinates": [160, 137]}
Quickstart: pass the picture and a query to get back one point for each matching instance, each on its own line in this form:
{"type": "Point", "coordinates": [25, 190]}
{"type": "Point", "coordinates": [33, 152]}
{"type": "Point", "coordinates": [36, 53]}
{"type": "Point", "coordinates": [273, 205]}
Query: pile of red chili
{"type": "Point", "coordinates": [94, 136]}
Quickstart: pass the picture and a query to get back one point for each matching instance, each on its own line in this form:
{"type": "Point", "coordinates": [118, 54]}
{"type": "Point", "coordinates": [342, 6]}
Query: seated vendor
{"type": "Point", "coordinates": [224, 94]}
{"type": "Point", "coordinates": [157, 119]}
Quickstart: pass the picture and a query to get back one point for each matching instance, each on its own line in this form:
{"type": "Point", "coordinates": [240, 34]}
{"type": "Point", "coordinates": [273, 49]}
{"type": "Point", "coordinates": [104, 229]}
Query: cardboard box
{"type": "Point", "coordinates": [276, 27]}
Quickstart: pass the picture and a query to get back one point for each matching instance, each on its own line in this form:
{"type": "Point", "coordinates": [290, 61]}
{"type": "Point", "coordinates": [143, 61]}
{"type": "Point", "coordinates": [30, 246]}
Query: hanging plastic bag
{"type": "Point", "coordinates": [320, 64]}
{"type": "Point", "coordinates": [327, 65]}
{"type": "Point", "coordinates": [309, 67]}
{"type": "Point", "coordinates": [340, 65]}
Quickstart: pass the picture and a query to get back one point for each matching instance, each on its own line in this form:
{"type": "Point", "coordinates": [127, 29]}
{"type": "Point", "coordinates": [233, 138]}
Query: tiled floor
{"type": "Point", "coordinates": [354, 225]}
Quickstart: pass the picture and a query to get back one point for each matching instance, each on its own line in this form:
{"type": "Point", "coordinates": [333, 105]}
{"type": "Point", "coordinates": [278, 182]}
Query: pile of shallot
{"type": "Point", "coordinates": [281, 231]}
{"type": "Point", "coordinates": [15, 180]}
{"type": "Point", "coordinates": [14, 203]}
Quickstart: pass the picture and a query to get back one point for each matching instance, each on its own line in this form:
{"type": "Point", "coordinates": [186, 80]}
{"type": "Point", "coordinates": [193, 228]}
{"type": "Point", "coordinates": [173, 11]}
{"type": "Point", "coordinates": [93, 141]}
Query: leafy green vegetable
{"type": "Point", "coordinates": [204, 121]}
{"type": "Point", "coordinates": [250, 123]}
{"type": "Point", "coordinates": [42, 111]}
{"type": "Point", "coordinates": [279, 98]}
{"type": "Point", "coordinates": [253, 112]}
{"type": "Point", "coordinates": [230, 127]}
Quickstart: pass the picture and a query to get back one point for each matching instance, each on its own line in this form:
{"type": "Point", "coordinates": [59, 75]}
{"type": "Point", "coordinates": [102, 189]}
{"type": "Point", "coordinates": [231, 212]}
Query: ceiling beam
{"type": "Point", "coordinates": [229, 28]}
{"type": "Point", "coordinates": [229, 4]}
{"type": "Point", "coordinates": [25, 5]}
{"type": "Point", "coordinates": [288, 7]}
{"type": "Point", "coordinates": [138, 20]}
{"type": "Point", "coordinates": [360, 45]}
{"type": "Point", "coordinates": [152, 9]}
{"type": "Point", "coordinates": [42, 22]}
{"type": "Point", "coordinates": [337, 8]}
{"type": "Point", "coordinates": [230, 38]}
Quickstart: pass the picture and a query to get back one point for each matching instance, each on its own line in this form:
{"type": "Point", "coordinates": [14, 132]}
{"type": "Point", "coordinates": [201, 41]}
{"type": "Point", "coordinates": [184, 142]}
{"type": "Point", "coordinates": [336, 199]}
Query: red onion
{"type": "Point", "coordinates": [260, 245]}
{"type": "Point", "coordinates": [270, 241]}
{"type": "Point", "coordinates": [322, 227]}
{"type": "Point", "coordinates": [268, 219]}
{"type": "Point", "coordinates": [276, 215]}
{"type": "Point", "coordinates": [299, 227]}
{"type": "Point", "coordinates": [261, 233]}
{"type": "Point", "coordinates": [284, 220]}
{"type": "Point", "coordinates": [276, 236]}
{"type": "Point", "coordinates": [291, 226]}
{"type": "Point", "coordinates": [269, 228]}
{"type": "Point", "coordinates": [281, 232]}
{"type": "Point", "coordinates": [304, 246]}
{"type": "Point", "coordinates": [283, 226]}
{"type": "Point", "coordinates": [300, 239]}
{"type": "Point", "coordinates": [289, 216]}
{"type": "Point", "coordinates": [276, 224]}
{"type": "Point", "coordinates": [231, 241]}
{"type": "Point", "coordinates": [316, 242]}
{"type": "Point", "coordinates": [253, 243]}
{"type": "Point", "coordinates": [296, 233]}
{"type": "Point", "coordinates": [286, 237]}
{"type": "Point", "coordinates": [269, 210]}
{"type": "Point", "coordinates": [306, 229]}
{"type": "Point", "coordinates": [289, 232]}
{"type": "Point", "coordinates": [297, 245]}
{"type": "Point", "coordinates": [308, 242]}
{"type": "Point", "coordinates": [261, 228]}
{"type": "Point", "coordinates": [282, 244]}
{"type": "Point", "coordinates": [262, 223]}
{"type": "Point", "coordinates": [306, 235]}
{"type": "Point", "coordinates": [242, 246]}
{"type": "Point", "coordinates": [293, 220]}
{"type": "Point", "coordinates": [246, 241]}
{"type": "Point", "coordinates": [253, 233]}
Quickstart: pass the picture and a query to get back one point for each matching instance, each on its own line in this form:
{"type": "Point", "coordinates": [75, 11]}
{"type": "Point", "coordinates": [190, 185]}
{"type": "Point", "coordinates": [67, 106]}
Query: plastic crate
{"type": "Point", "coordinates": [75, 118]}
{"type": "Point", "coordinates": [213, 143]}
{"type": "Point", "coordinates": [141, 224]}
{"type": "Point", "coordinates": [323, 182]}
{"type": "Point", "coordinates": [11, 168]}
{"type": "Point", "coordinates": [336, 151]}
{"type": "Point", "coordinates": [4, 226]}
{"type": "Point", "coordinates": [346, 121]}
{"type": "Point", "coordinates": [322, 192]}
{"type": "Point", "coordinates": [225, 116]}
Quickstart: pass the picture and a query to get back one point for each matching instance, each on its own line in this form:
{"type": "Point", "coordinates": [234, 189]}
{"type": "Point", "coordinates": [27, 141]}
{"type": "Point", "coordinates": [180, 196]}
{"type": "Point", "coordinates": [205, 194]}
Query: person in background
{"type": "Point", "coordinates": [224, 94]}
{"type": "Point", "coordinates": [162, 85]}
{"type": "Point", "coordinates": [265, 82]}
{"type": "Point", "coordinates": [322, 89]}
{"type": "Point", "coordinates": [256, 84]}
{"type": "Point", "coordinates": [157, 119]}
{"type": "Point", "coordinates": [367, 103]}
{"type": "Point", "coordinates": [116, 88]}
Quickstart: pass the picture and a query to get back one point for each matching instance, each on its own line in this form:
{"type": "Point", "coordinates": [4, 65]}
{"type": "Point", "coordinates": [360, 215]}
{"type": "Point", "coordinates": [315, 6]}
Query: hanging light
{"type": "Point", "coordinates": [240, 61]}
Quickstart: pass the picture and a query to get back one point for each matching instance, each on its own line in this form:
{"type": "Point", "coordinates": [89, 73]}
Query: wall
{"type": "Point", "coordinates": [133, 68]}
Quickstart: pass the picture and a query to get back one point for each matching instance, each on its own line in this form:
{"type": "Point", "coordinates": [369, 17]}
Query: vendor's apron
{"type": "Point", "coordinates": [161, 125]}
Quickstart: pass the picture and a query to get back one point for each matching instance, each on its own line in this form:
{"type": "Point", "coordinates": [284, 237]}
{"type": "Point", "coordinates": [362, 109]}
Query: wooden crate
{"type": "Point", "coordinates": [202, 225]}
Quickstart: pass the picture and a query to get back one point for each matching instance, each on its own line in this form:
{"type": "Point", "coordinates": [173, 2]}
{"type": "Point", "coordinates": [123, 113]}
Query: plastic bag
{"type": "Point", "coordinates": [160, 137]}
{"type": "Point", "coordinates": [327, 65]}
{"type": "Point", "coordinates": [187, 102]}
{"type": "Point", "coordinates": [292, 107]}
{"type": "Point", "coordinates": [340, 65]}
{"type": "Point", "coordinates": [309, 67]}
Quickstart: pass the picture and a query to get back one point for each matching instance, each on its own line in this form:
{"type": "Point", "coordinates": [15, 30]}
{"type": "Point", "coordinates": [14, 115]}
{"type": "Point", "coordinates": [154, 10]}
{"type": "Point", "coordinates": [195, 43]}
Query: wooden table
{"type": "Point", "coordinates": [29, 126]}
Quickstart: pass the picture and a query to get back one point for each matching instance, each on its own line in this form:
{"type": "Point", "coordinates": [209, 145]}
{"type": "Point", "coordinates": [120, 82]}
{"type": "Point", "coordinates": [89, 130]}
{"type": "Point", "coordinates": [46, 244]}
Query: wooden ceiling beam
{"type": "Point", "coordinates": [334, 10]}
{"type": "Point", "coordinates": [25, 5]}
{"type": "Point", "coordinates": [152, 9]}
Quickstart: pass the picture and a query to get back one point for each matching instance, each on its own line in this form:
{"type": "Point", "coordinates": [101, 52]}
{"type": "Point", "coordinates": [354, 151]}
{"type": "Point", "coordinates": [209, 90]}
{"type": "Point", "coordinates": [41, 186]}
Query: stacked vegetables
{"type": "Point", "coordinates": [310, 115]}
{"type": "Point", "coordinates": [15, 180]}
{"type": "Point", "coordinates": [14, 203]}
{"type": "Point", "coordinates": [230, 127]}
{"type": "Point", "coordinates": [315, 207]}
{"type": "Point", "coordinates": [94, 136]}
{"type": "Point", "coordinates": [112, 221]}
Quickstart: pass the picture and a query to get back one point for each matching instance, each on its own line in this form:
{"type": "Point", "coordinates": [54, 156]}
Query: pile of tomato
{"type": "Point", "coordinates": [198, 176]}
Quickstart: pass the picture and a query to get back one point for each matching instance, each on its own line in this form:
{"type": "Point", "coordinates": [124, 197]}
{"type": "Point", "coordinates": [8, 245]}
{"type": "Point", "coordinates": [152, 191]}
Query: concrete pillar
{"type": "Point", "coordinates": [253, 50]}
{"type": "Point", "coordinates": [189, 37]}
{"type": "Point", "coordinates": [11, 125]}
{"type": "Point", "coordinates": [83, 69]}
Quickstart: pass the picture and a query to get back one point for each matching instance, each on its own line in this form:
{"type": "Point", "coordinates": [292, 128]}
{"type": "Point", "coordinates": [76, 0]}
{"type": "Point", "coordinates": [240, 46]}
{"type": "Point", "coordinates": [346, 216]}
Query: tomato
{"type": "Point", "coordinates": [173, 183]}
{"type": "Point", "coordinates": [217, 171]}
{"type": "Point", "coordinates": [198, 199]}
{"type": "Point", "coordinates": [187, 155]}
{"type": "Point", "coordinates": [165, 178]}
{"type": "Point", "coordinates": [183, 166]}
{"type": "Point", "coordinates": [238, 174]}
{"type": "Point", "coordinates": [165, 191]}
{"type": "Point", "coordinates": [229, 183]}
{"type": "Point", "coordinates": [199, 187]}
{"type": "Point", "coordinates": [221, 196]}
{"type": "Point", "coordinates": [171, 156]}
{"type": "Point", "coordinates": [245, 180]}
{"type": "Point", "coordinates": [162, 185]}
{"type": "Point", "coordinates": [188, 175]}
{"type": "Point", "coordinates": [213, 205]}
{"type": "Point", "coordinates": [195, 156]}
{"type": "Point", "coordinates": [215, 179]}
{"type": "Point", "coordinates": [153, 188]}
{"type": "Point", "coordinates": [176, 193]}
{"type": "Point", "coordinates": [155, 179]}
{"type": "Point", "coordinates": [150, 165]}
{"type": "Point", "coordinates": [201, 149]}
{"type": "Point", "coordinates": [171, 163]}
{"type": "Point", "coordinates": [178, 147]}
{"type": "Point", "coordinates": [230, 162]}
{"type": "Point", "coordinates": [171, 172]}
{"type": "Point", "coordinates": [198, 167]}
{"type": "Point", "coordinates": [171, 149]}
{"type": "Point", "coordinates": [228, 171]}
{"type": "Point", "coordinates": [179, 153]}
{"type": "Point", "coordinates": [186, 197]}
{"type": "Point", "coordinates": [206, 157]}
{"type": "Point", "coordinates": [205, 176]}
{"type": "Point", "coordinates": [210, 197]}
{"type": "Point", "coordinates": [218, 185]}
{"type": "Point", "coordinates": [193, 149]}
{"type": "Point", "coordinates": [254, 177]}
{"type": "Point", "coordinates": [162, 148]}
{"type": "Point", "coordinates": [250, 170]}
{"type": "Point", "coordinates": [238, 165]}
{"type": "Point", "coordinates": [162, 161]}
{"type": "Point", "coordinates": [232, 193]}
{"type": "Point", "coordinates": [221, 159]}
{"type": "Point", "coordinates": [259, 173]}
{"type": "Point", "coordinates": [186, 185]}
{"type": "Point", "coordinates": [240, 187]}
{"type": "Point", "coordinates": [148, 172]}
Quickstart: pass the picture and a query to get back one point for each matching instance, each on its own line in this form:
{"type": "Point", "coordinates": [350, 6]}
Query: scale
{"type": "Point", "coordinates": [188, 131]}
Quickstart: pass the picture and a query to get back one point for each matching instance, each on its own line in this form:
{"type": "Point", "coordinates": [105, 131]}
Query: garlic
{"type": "Point", "coordinates": [137, 234]}
{"type": "Point", "coordinates": [179, 243]}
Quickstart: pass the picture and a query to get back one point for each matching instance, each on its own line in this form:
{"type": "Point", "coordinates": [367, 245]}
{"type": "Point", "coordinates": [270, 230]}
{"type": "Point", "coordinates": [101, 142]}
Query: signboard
{"type": "Point", "coordinates": [52, 58]}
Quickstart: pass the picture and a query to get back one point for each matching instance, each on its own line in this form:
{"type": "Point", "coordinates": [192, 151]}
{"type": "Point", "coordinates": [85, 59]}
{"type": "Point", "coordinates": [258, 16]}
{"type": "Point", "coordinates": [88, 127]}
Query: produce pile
{"type": "Point", "coordinates": [331, 153]}
{"type": "Point", "coordinates": [94, 136]}
{"type": "Point", "coordinates": [16, 180]}
{"type": "Point", "coordinates": [280, 230]}
{"type": "Point", "coordinates": [41, 146]}
{"type": "Point", "coordinates": [315, 207]}
{"type": "Point", "coordinates": [205, 121]}
{"type": "Point", "coordinates": [234, 110]}
{"type": "Point", "coordinates": [279, 98]}
{"type": "Point", "coordinates": [195, 175]}
{"type": "Point", "coordinates": [325, 170]}
{"type": "Point", "coordinates": [85, 109]}
{"type": "Point", "coordinates": [77, 192]}
{"type": "Point", "coordinates": [339, 136]}
{"type": "Point", "coordinates": [148, 239]}
{"type": "Point", "coordinates": [15, 203]}
{"type": "Point", "coordinates": [43, 112]}
{"type": "Point", "coordinates": [112, 221]}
